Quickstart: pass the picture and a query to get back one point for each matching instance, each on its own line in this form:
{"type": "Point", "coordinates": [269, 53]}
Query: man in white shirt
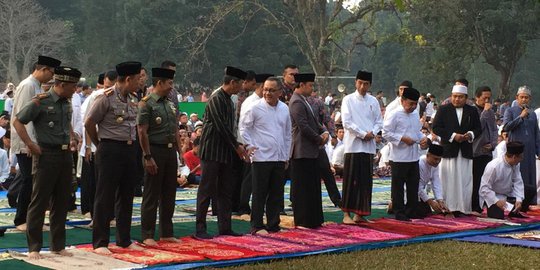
{"type": "Point", "coordinates": [28, 88]}
{"type": "Point", "coordinates": [402, 130]}
{"type": "Point", "coordinates": [246, 186]}
{"type": "Point", "coordinates": [266, 131]}
{"type": "Point", "coordinates": [362, 119]}
{"type": "Point", "coordinates": [429, 176]}
{"type": "Point", "coordinates": [396, 103]}
{"type": "Point", "coordinates": [502, 184]}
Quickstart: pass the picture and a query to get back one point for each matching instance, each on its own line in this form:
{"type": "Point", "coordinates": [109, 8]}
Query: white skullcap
{"type": "Point", "coordinates": [459, 89]}
{"type": "Point", "coordinates": [524, 90]}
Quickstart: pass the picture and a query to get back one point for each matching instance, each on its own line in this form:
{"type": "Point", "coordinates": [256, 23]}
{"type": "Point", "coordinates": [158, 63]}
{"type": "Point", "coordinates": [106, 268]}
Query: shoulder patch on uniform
{"type": "Point", "coordinates": [109, 92]}
{"type": "Point", "coordinates": [146, 98]}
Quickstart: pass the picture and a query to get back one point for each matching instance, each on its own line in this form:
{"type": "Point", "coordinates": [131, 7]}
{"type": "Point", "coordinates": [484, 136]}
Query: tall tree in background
{"type": "Point", "coordinates": [326, 32]}
{"type": "Point", "coordinates": [26, 32]}
{"type": "Point", "coordinates": [498, 30]}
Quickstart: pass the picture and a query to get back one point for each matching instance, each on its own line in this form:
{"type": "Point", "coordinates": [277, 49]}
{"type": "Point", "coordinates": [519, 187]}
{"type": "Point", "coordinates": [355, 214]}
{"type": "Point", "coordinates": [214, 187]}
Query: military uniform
{"type": "Point", "coordinates": [51, 116]}
{"type": "Point", "coordinates": [160, 189]}
{"type": "Point", "coordinates": [115, 117]}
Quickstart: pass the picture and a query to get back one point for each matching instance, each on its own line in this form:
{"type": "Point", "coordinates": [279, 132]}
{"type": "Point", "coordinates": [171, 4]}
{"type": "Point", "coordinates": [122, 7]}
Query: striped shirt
{"type": "Point", "coordinates": [218, 140]}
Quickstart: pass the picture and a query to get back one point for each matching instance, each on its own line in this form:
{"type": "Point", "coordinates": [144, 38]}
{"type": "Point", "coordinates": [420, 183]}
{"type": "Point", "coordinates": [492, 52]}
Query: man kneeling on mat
{"type": "Point", "coordinates": [502, 185]}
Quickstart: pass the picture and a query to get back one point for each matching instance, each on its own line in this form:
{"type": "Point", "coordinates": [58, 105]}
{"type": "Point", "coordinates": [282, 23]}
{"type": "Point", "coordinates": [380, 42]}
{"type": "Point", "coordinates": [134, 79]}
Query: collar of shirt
{"type": "Point", "coordinates": [55, 96]}
{"type": "Point", "coordinates": [157, 97]}
{"type": "Point", "coordinates": [361, 97]}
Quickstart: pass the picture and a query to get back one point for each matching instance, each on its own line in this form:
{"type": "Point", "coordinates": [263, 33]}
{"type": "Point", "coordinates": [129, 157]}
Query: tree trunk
{"type": "Point", "coordinates": [504, 84]}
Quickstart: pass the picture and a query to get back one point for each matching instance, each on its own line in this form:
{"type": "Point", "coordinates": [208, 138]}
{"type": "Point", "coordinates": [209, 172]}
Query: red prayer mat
{"type": "Point", "coordinates": [449, 224]}
{"type": "Point", "coordinates": [263, 244]}
{"type": "Point", "coordinates": [471, 220]}
{"type": "Point", "coordinates": [210, 250]}
{"type": "Point", "coordinates": [147, 256]}
{"type": "Point", "coordinates": [360, 234]}
{"type": "Point", "coordinates": [311, 237]}
{"type": "Point", "coordinates": [403, 227]}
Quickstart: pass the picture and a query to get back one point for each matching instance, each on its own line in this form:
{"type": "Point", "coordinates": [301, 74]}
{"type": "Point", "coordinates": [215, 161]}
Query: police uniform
{"type": "Point", "coordinates": [51, 116]}
{"type": "Point", "coordinates": [115, 117]}
{"type": "Point", "coordinates": [159, 114]}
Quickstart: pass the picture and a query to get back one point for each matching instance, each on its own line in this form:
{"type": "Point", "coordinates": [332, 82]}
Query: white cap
{"type": "Point", "coordinates": [524, 90]}
{"type": "Point", "coordinates": [459, 89]}
{"type": "Point", "coordinates": [193, 114]}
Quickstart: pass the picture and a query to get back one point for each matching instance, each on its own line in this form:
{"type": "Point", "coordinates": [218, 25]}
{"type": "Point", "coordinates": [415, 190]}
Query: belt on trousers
{"type": "Point", "coordinates": [130, 142]}
{"type": "Point", "coordinates": [163, 145]}
{"type": "Point", "coordinates": [56, 147]}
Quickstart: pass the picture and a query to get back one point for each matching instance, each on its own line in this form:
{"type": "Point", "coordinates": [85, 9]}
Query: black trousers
{"type": "Point", "coordinates": [51, 187]}
{"type": "Point", "coordinates": [328, 178]}
{"type": "Point", "coordinates": [88, 185]}
{"type": "Point", "coordinates": [216, 184]}
{"type": "Point", "coordinates": [306, 195]}
{"type": "Point", "coordinates": [422, 209]}
{"type": "Point", "coordinates": [245, 191]}
{"type": "Point", "coordinates": [15, 189]}
{"type": "Point", "coordinates": [404, 173]}
{"type": "Point", "coordinates": [25, 194]}
{"type": "Point", "coordinates": [267, 193]}
{"type": "Point", "coordinates": [160, 191]}
{"type": "Point", "coordinates": [479, 165]}
{"type": "Point", "coordinates": [237, 179]}
{"type": "Point", "coordinates": [114, 192]}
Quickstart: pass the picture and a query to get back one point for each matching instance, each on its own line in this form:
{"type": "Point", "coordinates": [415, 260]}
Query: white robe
{"type": "Point", "coordinates": [456, 178]}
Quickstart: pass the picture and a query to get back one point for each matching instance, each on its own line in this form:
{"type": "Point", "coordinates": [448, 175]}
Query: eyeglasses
{"type": "Point", "coordinates": [271, 90]}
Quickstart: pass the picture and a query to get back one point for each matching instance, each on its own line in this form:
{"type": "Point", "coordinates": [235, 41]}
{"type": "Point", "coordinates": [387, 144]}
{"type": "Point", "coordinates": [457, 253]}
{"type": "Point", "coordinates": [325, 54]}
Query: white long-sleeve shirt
{"type": "Point", "coordinates": [428, 174]}
{"type": "Point", "coordinates": [27, 89]}
{"type": "Point", "coordinates": [338, 156]}
{"type": "Point", "coordinates": [499, 181]}
{"type": "Point", "coordinates": [360, 115]}
{"type": "Point", "coordinates": [4, 166]}
{"type": "Point", "coordinates": [248, 102]}
{"type": "Point", "coordinates": [76, 119]}
{"type": "Point", "coordinates": [268, 128]}
{"type": "Point", "coordinates": [402, 124]}
{"type": "Point", "coordinates": [85, 106]}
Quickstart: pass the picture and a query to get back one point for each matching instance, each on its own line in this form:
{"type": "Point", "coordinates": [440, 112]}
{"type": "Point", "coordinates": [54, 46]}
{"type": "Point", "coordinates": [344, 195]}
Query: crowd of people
{"type": "Point", "coordinates": [125, 139]}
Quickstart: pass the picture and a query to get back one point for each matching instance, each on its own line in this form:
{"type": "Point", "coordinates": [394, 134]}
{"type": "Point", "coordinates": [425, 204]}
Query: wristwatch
{"type": "Point", "coordinates": [148, 157]}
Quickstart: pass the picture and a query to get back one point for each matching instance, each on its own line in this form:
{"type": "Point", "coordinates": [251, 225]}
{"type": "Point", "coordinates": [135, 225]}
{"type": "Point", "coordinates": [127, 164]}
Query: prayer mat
{"type": "Point", "coordinates": [81, 260]}
{"type": "Point", "coordinates": [359, 234]}
{"type": "Point", "coordinates": [311, 238]}
{"type": "Point", "coordinates": [470, 220]}
{"type": "Point", "coordinates": [453, 225]}
{"type": "Point", "coordinates": [489, 239]}
{"type": "Point", "coordinates": [263, 244]}
{"type": "Point", "coordinates": [210, 250]}
{"type": "Point", "coordinates": [403, 227]}
{"type": "Point", "coordinates": [528, 235]}
{"type": "Point", "coordinates": [147, 256]}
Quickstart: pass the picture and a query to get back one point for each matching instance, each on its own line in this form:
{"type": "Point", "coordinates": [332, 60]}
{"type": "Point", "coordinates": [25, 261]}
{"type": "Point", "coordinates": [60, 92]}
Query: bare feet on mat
{"type": "Point", "coordinates": [476, 214]}
{"type": "Point", "coordinates": [34, 255]}
{"type": "Point", "coordinates": [301, 227]}
{"type": "Point", "coordinates": [347, 219]}
{"type": "Point", "coordinates": [21, 227]}
{"type": "Point", "coordinates": [361, 219]}
{"type": "Point", "coordinates": [170, 239]}
{"type": "Point", "coordinates": [150, 242]}
{"type": "Point", "coordinates": [135, 247]}
{"type": "Point", "coordinates": [449, 215]}
{"type": "Point", "coordinates": [102, 251]}
{"type": "Point", "coordinates": [63, 252]}
{"type": "Point", "coordinates": [46, 228]}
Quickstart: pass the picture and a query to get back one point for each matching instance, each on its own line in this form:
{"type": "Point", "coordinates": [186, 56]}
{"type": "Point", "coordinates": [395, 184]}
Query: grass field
{"type": "Point", "coordinates": [435, 255]}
